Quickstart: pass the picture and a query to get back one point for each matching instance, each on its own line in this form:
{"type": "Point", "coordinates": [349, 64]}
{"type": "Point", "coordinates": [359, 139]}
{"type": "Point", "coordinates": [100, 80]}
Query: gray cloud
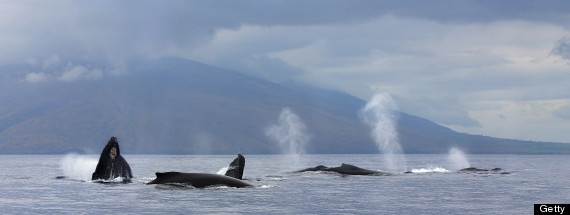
{"type": "Point", "coordinates": [446, 110]}
{"type": "Point", "coordinates": [438, 57]}
{"type": "Point", "coordinates": [74, 73]}
{"type": "Point", "coordinates": [562, 48]}
{"type": "Point", "coordinates": [34, 77]}
{"type": "Point", "coordinates": [108, 30]}
{"type": "Point", "coordinates": [563, 112]}
{"type": "Point", "coordinates": [50, 62]}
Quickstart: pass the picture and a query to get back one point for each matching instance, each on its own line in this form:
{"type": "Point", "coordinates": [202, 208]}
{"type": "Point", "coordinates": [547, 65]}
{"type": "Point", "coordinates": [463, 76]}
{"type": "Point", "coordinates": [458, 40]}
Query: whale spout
{"type": "Point", "coordinates": [111, 164]}
{"type": "Point", "coordinates": [236, 168]}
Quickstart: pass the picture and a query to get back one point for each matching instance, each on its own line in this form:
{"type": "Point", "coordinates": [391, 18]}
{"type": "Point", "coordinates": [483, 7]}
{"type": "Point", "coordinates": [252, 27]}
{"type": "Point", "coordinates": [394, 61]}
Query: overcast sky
{"type": "Point", "coordinates": [497, 68]}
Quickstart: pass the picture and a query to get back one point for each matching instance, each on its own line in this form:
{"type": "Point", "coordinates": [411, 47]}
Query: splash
{"type": "Point", "coordinates": [78, 167]}
{"type": "Point", "coordinates": [379, 113]}
{"type": "Point", "coordinates": [429, 170]}
{"type": "Point", "coordinates": [115, 180]}
{"type": "Point", "coordinates": [266, 186]}
{"type": "Point", "coordinates": [290, 133]}
{"type": "Point", "coordinates": [457, 159]}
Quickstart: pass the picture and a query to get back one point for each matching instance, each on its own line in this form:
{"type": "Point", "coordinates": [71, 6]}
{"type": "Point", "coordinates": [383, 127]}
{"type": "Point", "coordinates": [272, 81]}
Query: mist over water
{"type": "Point", "coordinates": [290, 133]}
{"type": "Point", "coordinates": [457, 159]}
{"type": "Point", "coordinates": [78, 167]}
{"type": "Point", "coordinates": [380, 114]}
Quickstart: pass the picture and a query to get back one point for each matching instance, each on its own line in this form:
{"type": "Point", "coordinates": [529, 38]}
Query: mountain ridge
{"type": "Point", "coordinates": [180, 106]}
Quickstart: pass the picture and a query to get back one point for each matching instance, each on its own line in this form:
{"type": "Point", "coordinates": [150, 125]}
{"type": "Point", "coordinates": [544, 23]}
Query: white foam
{"type": "Point", "coordinates": [217, 187]}
{"type": "Point", "coordinates": [275, 178]}
{"type": "Point", "coordinates": [429, 169]}
{"type": "Point", "coordinates": [79, 167]}
{"type": "Point", "coordinates": [146, 179]}
{"type": "Point", "coordinates": [115, 180]}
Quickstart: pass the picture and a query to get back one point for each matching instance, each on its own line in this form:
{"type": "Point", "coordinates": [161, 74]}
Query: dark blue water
{"type": "Point", "coordinates": [28, 185]}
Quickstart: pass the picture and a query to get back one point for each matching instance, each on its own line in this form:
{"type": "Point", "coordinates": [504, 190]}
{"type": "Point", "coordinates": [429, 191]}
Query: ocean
{"type": "Point", "coordinates": [32, 184]}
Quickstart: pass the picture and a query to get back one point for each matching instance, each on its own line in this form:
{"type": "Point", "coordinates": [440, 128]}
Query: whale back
{"type": "Point", "coordinates": [111, 164]}
{"type": "Point", "coordinates": [347, 169]}
{"type": "Point", "coordinates": [473, 169]}
{"type": "Point", "coordinates": [317, 168]}
{"type": "Point", "coordinates": [235, 170]}
{"type": "Point", "coordinates": [197, 180]}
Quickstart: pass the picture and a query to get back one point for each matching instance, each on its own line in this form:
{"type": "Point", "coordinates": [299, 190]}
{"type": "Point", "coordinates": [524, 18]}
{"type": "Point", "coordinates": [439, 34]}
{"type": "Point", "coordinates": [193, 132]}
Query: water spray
{"type": "Point", "coordinates": [290, 133]}
{"type": "Point", "coordinates": [380, 114]}
{"type": "Point", "coordinates": [457, 159]}
{"type": "Point", "coordinates": [78, 167]}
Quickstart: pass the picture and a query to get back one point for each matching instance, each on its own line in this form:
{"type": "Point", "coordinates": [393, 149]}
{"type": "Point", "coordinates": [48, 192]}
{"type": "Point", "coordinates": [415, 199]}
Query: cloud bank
{"type": "Point", "coordinates": [483, 67]}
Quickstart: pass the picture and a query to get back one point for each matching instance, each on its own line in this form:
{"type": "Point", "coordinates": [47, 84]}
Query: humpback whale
{"type": "Point", "coordinates": [479, 170]}
{"type": "Point", "coordinates": [346, 169]}
{"type": "Point", "coordinates": [111, 164]}
{"type": "Point", "coordinates": [475, 169]}
{"type": "Point", "coordinates": [232, 178]}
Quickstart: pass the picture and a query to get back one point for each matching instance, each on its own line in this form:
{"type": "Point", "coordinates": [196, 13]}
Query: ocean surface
{"type": "Point", "coordinates": [29, 184]}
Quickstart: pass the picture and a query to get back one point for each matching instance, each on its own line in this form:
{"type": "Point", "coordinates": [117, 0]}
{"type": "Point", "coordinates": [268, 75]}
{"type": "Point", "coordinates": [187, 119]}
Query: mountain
{"type": "Point", "coordinates": [179, 106]}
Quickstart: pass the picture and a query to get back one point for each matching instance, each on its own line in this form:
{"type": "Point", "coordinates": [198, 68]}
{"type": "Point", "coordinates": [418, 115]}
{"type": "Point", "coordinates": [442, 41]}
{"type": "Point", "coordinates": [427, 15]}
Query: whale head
{"type": "Point", "coordinates": [111, 164]}
{"type": "Point", "coordinates": [112, 148]}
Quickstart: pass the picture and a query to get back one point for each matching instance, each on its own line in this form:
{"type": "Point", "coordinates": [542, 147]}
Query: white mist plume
{"type": "Point", "coordinates": [457, 159]}
{"type": "Point", "coordinates": [379, 113]}
{"type": "Point", "coordinates": [290, 133]}
{"type": "Point", "coordinates": [79, 167]}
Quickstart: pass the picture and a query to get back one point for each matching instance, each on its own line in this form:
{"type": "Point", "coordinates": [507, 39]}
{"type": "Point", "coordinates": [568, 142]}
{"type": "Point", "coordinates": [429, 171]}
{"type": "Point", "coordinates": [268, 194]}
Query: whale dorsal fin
{"type": "Point", "coordinates": [236, 168]}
